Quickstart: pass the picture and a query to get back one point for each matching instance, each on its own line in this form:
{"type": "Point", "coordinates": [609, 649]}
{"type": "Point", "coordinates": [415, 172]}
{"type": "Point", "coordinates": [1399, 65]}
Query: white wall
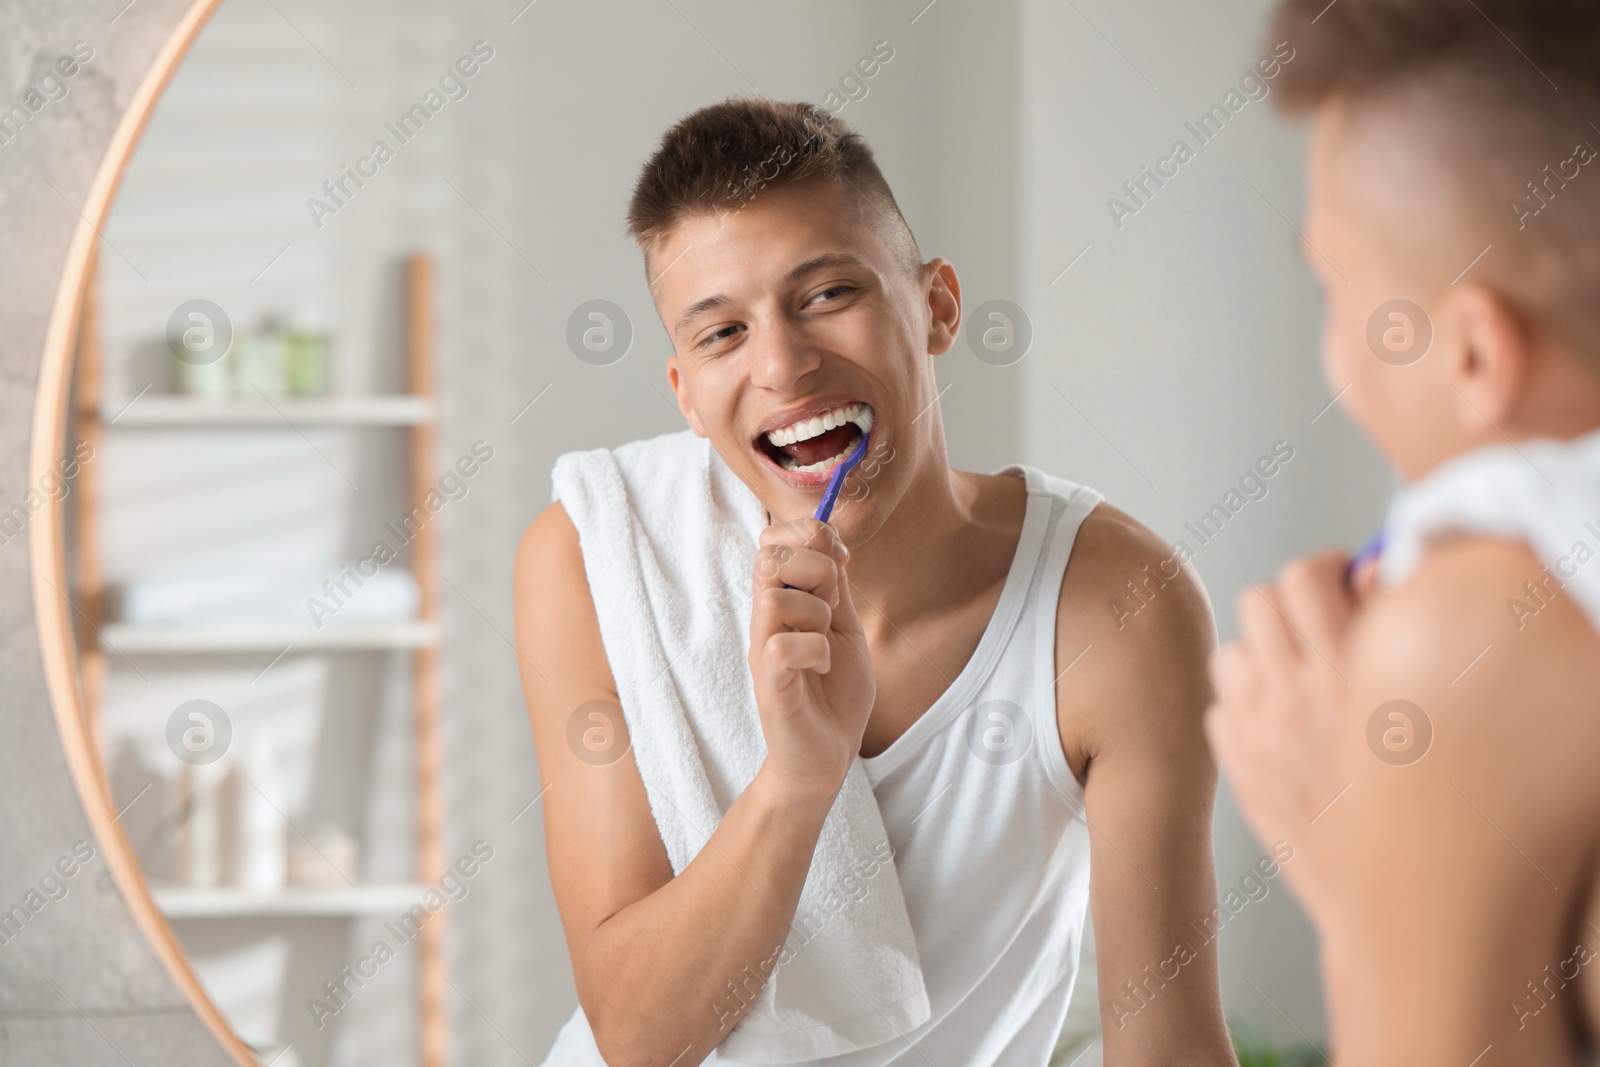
{"type": "Point", "coordinates": [1185, 343]}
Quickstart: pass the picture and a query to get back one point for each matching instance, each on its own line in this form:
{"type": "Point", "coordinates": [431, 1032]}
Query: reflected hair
{"type": "Point", "coordinates": [1521, 49]}
{"type": "Point", "coordinates": [719, 158]}
{"type": "Point", "coordinates": [1503, 93]}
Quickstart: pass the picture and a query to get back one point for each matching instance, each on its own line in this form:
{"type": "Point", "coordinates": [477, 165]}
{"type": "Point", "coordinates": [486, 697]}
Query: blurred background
{"type": "Point", "coordinates": [1170, 343]}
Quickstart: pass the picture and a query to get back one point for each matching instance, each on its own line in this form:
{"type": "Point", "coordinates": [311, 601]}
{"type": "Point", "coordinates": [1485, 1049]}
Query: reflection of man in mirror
{"type": "Point", "coordinates": [871, 772]}
{"type": "Point", "coordinates": [1424, 732]}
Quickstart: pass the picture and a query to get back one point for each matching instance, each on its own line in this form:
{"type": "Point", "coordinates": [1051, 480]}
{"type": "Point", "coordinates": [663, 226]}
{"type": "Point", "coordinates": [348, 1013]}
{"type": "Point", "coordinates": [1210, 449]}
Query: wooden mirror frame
{"type": "Point", "coordinates": [47, 550]}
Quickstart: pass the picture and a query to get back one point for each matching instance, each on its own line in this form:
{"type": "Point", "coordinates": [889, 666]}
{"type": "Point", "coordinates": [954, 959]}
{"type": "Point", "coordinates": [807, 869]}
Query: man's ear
{"type": "Point", "coordinates": [1489, 364]}
{"type": "Point", "coordinates": [944, 305]}
{"type": "Point", "coordinates": [681, 391]}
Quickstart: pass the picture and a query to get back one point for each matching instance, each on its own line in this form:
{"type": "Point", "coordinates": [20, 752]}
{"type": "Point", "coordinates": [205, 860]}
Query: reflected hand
{"type": "Point", "coordinates": [1276, 724]}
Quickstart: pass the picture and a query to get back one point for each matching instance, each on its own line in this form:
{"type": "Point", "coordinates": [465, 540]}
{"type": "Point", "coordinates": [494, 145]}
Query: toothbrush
{"type": "Point", "coordinates": [1369, 551]}
{"type": "Point", "coordinates": [831, 495]}
{"type": "Point", "coordinates": [840, 473]}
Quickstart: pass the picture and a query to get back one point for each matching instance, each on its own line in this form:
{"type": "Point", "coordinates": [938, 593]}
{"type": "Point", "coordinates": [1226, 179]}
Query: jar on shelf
{"type": "Point", "coordinates": [308, 353]}
{"type": "Point", "coordinates": [261, 367]}
{"type": "Point", "coordinates": [204, 351]}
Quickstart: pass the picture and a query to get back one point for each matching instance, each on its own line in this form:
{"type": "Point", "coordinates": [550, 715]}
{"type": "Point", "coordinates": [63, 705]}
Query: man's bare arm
{"type": "Point", "coordinates": [652, 954]}
{"type": "Point", "coordinates": [1131, 712]}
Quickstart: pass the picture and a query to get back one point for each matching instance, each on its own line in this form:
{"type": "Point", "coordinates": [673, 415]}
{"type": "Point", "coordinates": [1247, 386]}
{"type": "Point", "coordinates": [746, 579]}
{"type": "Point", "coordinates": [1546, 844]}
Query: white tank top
{"type": "Point", "coordinates": [986, 821]}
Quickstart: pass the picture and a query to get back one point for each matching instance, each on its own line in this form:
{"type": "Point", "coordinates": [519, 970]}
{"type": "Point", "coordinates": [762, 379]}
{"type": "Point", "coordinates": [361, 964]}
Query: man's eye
{"type": "Point", "coordinates": [718, 335]}
{"type": "Point", "coordinates": [833, 289]}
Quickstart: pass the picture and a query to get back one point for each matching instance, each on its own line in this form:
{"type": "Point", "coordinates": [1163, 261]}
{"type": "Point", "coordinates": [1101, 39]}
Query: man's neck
{"type": "Point", "coordinates": [940, 532]}
{"type": "Point", "coordinates": [1560, 425]}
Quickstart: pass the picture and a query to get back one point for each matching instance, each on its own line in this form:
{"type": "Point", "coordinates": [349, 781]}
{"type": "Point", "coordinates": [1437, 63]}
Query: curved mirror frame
{"type": "Point", "coordinates": [47, 540]}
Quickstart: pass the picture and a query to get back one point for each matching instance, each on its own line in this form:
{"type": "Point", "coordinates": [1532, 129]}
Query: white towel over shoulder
{"type": "Point", "coordinates": [669, 537]}
{"type": "Point", "coordinates": [1544, 492]}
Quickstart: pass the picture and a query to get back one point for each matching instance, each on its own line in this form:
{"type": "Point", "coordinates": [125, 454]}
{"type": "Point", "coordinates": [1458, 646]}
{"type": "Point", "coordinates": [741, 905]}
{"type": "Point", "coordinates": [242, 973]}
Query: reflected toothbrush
{"type": "Point", "coordinates": [1368, 552]}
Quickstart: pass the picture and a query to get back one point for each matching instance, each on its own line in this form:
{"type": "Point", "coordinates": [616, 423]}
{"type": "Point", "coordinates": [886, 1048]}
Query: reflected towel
{"type": "Point", "coordinates": [1543, 492]}
{"type": "Point", "coordinates": [669, 537]}
{"type": "Point", "coordinates": [297, 596]}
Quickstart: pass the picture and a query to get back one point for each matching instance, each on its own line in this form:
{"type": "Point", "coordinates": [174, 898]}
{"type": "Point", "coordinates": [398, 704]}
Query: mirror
{"type": "Point", "coordinates": [334, 339]}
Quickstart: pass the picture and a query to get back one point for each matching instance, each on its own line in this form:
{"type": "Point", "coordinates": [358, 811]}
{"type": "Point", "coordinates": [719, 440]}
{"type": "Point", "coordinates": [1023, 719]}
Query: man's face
{"type": "Point", "coordinates": [1376, 234]}
{"type": "Point", "coordinates": [796, 330]}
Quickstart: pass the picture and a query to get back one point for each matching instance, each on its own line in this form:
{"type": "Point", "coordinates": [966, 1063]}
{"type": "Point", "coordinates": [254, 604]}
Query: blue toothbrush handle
{"type": "Point", "coordinates": [1369, 551]}
{"type": "Point", "coordinates": [830, 496]}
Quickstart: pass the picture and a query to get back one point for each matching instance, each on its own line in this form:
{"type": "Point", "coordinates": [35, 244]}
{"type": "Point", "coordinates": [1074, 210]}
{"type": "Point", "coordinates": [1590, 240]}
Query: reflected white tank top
{"type": "Point", "coordinates": [986, 822]}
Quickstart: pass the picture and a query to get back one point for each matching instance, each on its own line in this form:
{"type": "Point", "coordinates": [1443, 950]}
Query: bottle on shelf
{"type": "Point", "coordinates": [205, 791]}
{"type": "Point", "coordinates": [200, 371]}
{"type": "Point", "coordinates": [326, 860]}
{"type": "Point", "coordinates": [308, 352]}
{"type": "Point", "coordinates": [262, 366]}
{"type": "Point", "coordinates": [263, 834]}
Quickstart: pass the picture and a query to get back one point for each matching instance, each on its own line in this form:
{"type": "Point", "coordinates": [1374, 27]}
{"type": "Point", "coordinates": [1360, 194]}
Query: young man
{"type": "Point", "coordinates": [1427, 742]}
{"type": "Point", "coordinates": [801, 316]}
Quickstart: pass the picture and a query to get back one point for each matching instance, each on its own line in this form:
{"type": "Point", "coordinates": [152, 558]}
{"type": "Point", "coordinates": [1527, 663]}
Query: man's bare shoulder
{"type": "Point", "coordinates": [1481, 611]}
{"type": "Point", "coordinates": [557, 631]}
{"type": "Point", "coordinates": [548, 565]}
{"type": "Point", "coordinates": [1125, 589]}
{"type": "Point", "coordinates": [1134, 630]}
{"type": "Point", "coordinates": [549, 539]}
{"type": "Point", "coordinates": [1506, 702]}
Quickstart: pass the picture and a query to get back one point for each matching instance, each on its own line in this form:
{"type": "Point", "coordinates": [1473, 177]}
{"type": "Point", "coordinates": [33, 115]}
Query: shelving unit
{"type": "Point", "coordinates": [168, 412]}
{"type": "Point", "coordinates": [415, 413]}
{"type": "Point", "coordinates": [379, 900]}
{"type": "Point", "coordinates": [128, 639]}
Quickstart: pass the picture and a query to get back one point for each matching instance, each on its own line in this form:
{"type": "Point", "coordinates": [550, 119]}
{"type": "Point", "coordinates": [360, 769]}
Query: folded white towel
{"type": "Point", "coordinates": [284, 596]}
{"type": "Point", "coordinates": [1543, 492]}
{"type": "Point", "coordinates": [669, 535]}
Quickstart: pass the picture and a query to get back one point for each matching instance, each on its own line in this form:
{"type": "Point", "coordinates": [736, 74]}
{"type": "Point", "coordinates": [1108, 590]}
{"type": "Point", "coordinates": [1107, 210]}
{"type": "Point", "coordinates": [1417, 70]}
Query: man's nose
{"type": "Point", "coordinates": [781, 357]}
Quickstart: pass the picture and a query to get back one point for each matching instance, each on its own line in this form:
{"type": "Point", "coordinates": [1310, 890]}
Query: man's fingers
{"type": "Point", "coordinates": [1262, 626]}
{"type": "Point", "coordinates": [779, 610]}
{"type": "Point", "coordinates": [1233, 676]}
{"type": "Point", "coordinates": [805, 533]}
{"type": "Point", "coordinates": [1365, 581]}
{"type": "Point", "coordinates": [1312, 593]}
{"type": "Point", "coordinates": [798, 652]}
{"type": "Point", "coordinates": [780, 565]}
{"type": "Point", "coordinates": [1219, 730]}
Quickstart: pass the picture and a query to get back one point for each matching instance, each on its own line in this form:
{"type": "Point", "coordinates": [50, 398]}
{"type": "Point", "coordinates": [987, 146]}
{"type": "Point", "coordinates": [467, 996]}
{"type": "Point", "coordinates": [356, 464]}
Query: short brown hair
{"type": "Point", "coordinates": [1509, 87]}
{"type": "Point", "coordinates": [1523, 49]}
{"type": "Point", "coordinates": [719, 157]}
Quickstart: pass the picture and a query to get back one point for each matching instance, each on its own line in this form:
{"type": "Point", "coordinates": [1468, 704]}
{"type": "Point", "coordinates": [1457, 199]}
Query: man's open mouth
{"type": "Point", "coordinates": [817, 444]}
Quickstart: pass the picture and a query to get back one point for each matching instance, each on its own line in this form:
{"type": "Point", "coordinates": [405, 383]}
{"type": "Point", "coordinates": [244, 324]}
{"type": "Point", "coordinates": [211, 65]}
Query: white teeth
{"type": "Point", "coordinates": [820, 467]}
{"type": "Point", "coordinates": [805, 429]}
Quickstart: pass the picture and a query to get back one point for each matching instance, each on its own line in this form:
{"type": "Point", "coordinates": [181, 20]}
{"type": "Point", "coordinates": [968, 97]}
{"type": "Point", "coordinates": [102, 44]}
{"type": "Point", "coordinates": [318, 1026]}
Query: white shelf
{"type": "Point", "coordinates": [130, 638]}
{"type": "Point", "coordinates": [386, 900]}
{"type": "Point", "coordinates": [286, 412]}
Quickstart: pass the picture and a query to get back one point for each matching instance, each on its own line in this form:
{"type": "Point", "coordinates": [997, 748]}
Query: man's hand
{"type": "Point", "coordinates": [1277, 722]}
{"type": "Point", "coordinates": [808, 656]}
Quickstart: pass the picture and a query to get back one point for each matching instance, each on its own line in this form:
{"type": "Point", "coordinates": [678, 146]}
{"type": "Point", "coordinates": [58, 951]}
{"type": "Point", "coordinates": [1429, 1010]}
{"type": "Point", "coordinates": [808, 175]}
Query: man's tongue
{"type": "Point", "coordinates": [823, 446]}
